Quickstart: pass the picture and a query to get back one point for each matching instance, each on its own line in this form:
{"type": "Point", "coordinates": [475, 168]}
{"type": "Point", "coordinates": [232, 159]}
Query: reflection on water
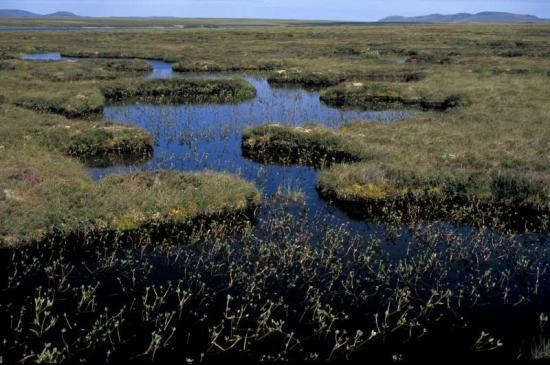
{"type": "Point", "coordinates": [190, 137]}
{"type": "Point", "coordinates": [193, 137]}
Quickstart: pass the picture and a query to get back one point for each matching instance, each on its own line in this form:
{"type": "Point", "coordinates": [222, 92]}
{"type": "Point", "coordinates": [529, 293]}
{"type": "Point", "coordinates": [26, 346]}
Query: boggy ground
{"type": "Point", "coordinates": [45, 190]}
{"type": "Point", "coordinates": [81, 89]}
{"type": "Point", "coordinates": [288, 292]}
{"type": "Point", "coordinates": [481, 157]}
{"type": "Point", "coordinates": [487, 139]}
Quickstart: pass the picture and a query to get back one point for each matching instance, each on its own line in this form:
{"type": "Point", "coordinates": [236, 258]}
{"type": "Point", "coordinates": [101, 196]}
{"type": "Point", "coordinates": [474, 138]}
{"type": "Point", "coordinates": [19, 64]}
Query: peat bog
{"type": "Point", "coordinates": [360, 200]}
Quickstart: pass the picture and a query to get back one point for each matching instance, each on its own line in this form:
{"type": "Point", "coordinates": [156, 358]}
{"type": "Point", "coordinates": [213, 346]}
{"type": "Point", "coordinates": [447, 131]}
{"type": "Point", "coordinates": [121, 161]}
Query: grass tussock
{"type": "Point", "coordinates": [44, 193]}
{"type": "Point", "coordinates": [296, 76]}
{"type": "Point", "coordinates": [506, 202]}
{"type": "Point", "coordinates": [307, 144]}
{"type": "Point", "coordinates": [70, 103]}
{"type": "Point", "coordinates": [74, 137]}
{"type": "Point", "coordinates": [379, 96]}
{"type": "Point", "coordinates": [179, 90]}
{"type": "Point", "coordinates": [213, 66]}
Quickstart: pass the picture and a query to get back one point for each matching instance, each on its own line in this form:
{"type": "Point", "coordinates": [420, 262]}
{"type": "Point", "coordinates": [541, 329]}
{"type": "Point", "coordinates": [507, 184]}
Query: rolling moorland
{"type": "Point", "coordinates": [145, 265]}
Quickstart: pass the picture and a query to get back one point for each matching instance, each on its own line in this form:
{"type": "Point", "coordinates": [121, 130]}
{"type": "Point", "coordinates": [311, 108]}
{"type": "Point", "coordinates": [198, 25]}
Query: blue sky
{"type": "Point", "coordinates": [366, 10]}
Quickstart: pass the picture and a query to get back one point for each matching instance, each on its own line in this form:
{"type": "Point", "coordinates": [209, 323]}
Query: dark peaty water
{"type": "Point", "coordinates": [194, 137]}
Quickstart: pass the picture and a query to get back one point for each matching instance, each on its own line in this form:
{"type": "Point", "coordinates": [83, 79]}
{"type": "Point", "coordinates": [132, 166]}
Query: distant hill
{"type": "Point", "coordinates": [15, 13]}
{"type": "Point", "coordinates": [483, 17]}
{"type": "Point", "coordinates": [62, 14]}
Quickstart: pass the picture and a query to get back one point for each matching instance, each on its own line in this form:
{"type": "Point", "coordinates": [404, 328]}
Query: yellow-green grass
{"type": "Point", "coordinates": [44, 193]}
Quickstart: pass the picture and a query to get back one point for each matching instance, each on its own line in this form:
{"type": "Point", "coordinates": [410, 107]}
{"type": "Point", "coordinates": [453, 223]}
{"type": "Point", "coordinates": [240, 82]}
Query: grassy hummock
{"type": "Point", "coordinates": [309, 78]}
{"type": "Point", "coordinates": [70, 102]}
{"type": "Point", "coordinates": [324, 78]}
{"type": "Point", "coordinates": [180, 90]}
{"type": "Point", "coordinates": [173, 198]}
{"type": "Point", "coordinates": [311, 144]}
{"type": "Point", "coordinates": [503, 201]}
{"type": "Point", "coordinates": [378, 95]}
{"type": "Point", "coordinates": [45, 194]}
{"type": "Point", "coordinates": [74, 137]}
{"type": "Point", "coordinates": [45, 191]}
{"type": "Point", "coordinates": [211, 66]}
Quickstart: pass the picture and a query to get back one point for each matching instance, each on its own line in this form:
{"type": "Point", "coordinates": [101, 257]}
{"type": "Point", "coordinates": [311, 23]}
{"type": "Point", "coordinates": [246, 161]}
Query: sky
{"type": "Point", "coordinates": [357, 10]}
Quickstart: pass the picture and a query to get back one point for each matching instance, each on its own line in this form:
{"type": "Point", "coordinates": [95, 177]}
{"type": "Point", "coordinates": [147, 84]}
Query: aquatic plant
{"type": "Point", "coordinates": [275, 293]}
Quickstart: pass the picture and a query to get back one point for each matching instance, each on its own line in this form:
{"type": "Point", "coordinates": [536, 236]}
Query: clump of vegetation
{"type": "Point", "coordinates": [295, 76]}
{"type": "Point", "coordinates": [47, 194]}
{"type": "Point", "coordinates": [179, 90]}
{"type": "Point", "coordinates": [540, 350]}
{"type": "Point", "coordinates": [101, 139]}
{"type": "Point", "coordinates": [306, 144]}
{"type": "Point", "coordinates": [211, 66]}
{"type": "Point", "coordinates": [312, 79]}
{"type": "Point", "coordinates": [75, 137]}
{"type": "Point", "coordinates": [86, 103]}
{"type": "Point", "coordinates": [501, 201]}
{"type": "Point", "coordinates": [198, 66]}
{"type": "Point", "coordinates": [378, 96]}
